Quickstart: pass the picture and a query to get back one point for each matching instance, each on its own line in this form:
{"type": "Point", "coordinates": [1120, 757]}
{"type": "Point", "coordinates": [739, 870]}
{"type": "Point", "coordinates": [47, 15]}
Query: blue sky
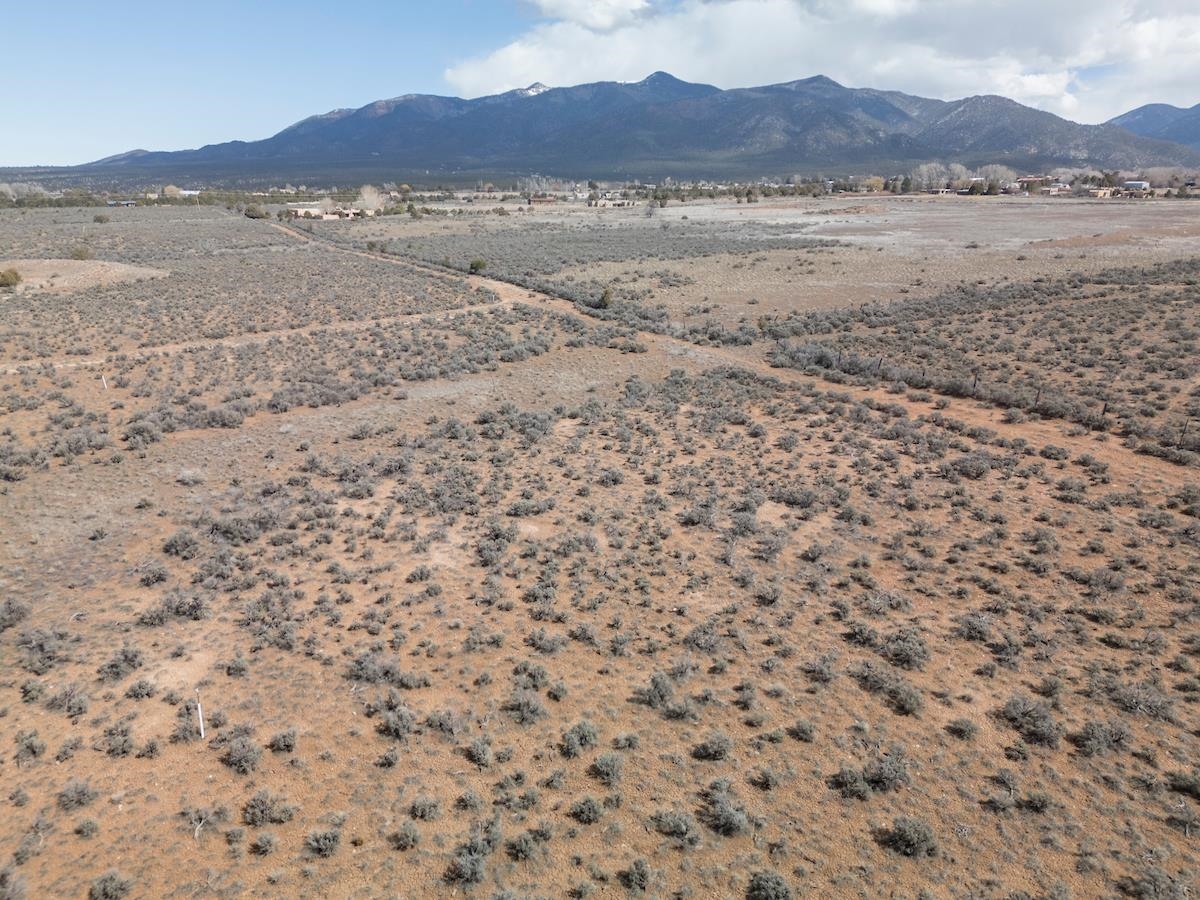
{"type": "Point", "coordinates": [86, 80]}
{"type": "Point", "coordinates": [101, 78]}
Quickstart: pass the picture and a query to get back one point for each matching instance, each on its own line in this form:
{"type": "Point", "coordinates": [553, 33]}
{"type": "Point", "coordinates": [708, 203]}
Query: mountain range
{"type": "Point", "coordinates": [664, 126]}
{"type": "Point", "coordinates": [1164, 122]}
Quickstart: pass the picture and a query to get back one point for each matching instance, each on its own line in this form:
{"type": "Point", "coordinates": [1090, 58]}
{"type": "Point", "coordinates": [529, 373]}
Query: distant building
{"type": "Point", "coordinates": [306, 211]}
{"type": "Point", "coordinates": [607, 201]}
{"type": "Point", "coordinates": [1136, 189]}
{"type": "Point", "coordinates": [317, 211]}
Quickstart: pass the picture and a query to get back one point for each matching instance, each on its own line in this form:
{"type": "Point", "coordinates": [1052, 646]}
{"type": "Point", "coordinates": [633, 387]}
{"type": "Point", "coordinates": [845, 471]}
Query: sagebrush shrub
{"type": "Point", "coordinates": [910, 837]}
{"type": "Point", "coordinates": [768, 886]}
{"type": "Point", "coordinates": [716, 746]}
{"type": "Point", "coordinates": [323, 843]}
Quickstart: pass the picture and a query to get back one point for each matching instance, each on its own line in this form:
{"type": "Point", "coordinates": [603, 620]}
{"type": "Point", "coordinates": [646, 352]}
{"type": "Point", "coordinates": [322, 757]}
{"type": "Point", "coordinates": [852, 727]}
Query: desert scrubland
{"type": "Point", "coordinates": [843, 547]}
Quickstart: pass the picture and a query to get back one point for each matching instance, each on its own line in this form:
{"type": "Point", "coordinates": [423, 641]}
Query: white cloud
{"type": "Point", "coordinates": [884, 9]}
{"type": "Point", "coordinates": [1086, 59]}
{"type": "Point", "coordinates": [597, 14]}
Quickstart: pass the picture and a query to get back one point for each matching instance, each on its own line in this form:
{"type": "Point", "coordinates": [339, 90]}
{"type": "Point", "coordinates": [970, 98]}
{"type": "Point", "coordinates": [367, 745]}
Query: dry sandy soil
{"type": "Point", "coordinates": [60, 276]}
{"type": "Point", "coordinates": [486, 592]}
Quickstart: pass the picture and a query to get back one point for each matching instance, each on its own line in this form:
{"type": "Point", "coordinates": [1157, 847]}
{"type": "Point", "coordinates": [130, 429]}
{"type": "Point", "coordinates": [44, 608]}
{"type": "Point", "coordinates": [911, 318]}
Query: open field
{"type": "Point", "coordinates": [782, 550]}
{"type": "Point", "coordinates": [765, 258]}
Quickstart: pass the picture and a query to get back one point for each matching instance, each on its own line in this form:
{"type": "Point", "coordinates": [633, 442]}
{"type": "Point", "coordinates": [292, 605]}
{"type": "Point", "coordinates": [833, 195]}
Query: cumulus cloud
{"type": "Point", "coordinates": [1086, 60]}
{"type": "Point", "coordinates": [600, 15]}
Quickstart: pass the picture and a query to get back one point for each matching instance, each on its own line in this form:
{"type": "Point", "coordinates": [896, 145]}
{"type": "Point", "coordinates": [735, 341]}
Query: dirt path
{"type": "Point", "coordinates": [260, 337]}
{"type": "Point", "coordinates": [751, 358]}
{"type": "Point", "coordinates": [505, 290]}
{"type": "Point", "coordinates": [507, 294]}
{"type": "Point", "coordinates": [1135, 467]}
